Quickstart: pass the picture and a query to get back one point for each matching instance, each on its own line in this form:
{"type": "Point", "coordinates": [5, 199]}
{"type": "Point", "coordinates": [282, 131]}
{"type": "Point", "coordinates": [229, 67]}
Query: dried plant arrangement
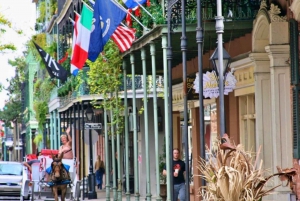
{"type": "Point", "coordinates": [233, 174]}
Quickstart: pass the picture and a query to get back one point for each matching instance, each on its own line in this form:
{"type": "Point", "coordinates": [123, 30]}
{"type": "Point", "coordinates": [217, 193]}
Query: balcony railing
{"type": "Point", "coordinates": [140, 84]}
{"type": "Point", "coordinates": [139, 87]}
{"type": "Point", "coordinates": [231, 9]}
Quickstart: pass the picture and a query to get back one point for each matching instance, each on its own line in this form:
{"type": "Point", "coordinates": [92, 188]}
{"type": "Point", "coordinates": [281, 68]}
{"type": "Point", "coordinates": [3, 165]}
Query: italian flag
{"type": "Point", "coordinates": [81, 39]}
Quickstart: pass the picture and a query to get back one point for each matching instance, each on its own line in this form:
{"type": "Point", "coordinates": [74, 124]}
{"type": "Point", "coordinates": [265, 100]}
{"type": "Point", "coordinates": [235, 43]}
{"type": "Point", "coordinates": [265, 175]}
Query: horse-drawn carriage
{"type": "Point", "coordinates": [51, 176]}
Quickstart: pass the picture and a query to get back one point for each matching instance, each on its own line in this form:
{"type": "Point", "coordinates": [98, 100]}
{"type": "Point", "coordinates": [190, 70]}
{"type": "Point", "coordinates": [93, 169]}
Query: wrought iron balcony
{"type": "Point", "coordinates": [140, 84]}
{"type": "Point", "coordinates": [231, 9]}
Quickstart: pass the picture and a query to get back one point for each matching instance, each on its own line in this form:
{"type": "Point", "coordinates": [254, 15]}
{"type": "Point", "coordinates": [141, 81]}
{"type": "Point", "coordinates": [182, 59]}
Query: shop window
{"type": "Point", "coordinates": [247, 121]}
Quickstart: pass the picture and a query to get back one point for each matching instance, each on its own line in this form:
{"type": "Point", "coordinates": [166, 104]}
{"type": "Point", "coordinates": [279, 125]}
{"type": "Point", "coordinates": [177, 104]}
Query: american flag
{"type": "Point", "coordinates": [123, 37]}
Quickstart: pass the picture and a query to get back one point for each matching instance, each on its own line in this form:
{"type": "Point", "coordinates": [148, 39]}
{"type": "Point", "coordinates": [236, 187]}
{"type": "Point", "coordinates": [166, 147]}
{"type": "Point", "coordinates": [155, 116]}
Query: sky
{"type": "Point", "coordinates": [22, 14]}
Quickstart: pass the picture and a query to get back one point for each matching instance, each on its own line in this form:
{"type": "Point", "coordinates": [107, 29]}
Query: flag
{"type": "Point", "coordinates": [81, 39]}
{"type": "Point", "coordinates": [123, 37]}
{"type": "Point", "coordinates": [107, 17]}
{"type": "Point", "coordinates": [54, 69]}
{"type": "Point", "coordinates": [133, 3]}
{"type": "Point", "coordinates": [74, 70]}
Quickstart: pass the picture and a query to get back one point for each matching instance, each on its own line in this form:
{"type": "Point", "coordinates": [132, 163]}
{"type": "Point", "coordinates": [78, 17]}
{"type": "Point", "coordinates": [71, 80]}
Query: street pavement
{"type": "Point", "coordinates": [101, 196]}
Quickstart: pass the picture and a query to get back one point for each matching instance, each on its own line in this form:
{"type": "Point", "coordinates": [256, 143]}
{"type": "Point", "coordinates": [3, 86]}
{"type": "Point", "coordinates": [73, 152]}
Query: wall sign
{"type": "Point", "coordinates": [191, 92]}
{"type": "Point", "coordinates": [211, 85]}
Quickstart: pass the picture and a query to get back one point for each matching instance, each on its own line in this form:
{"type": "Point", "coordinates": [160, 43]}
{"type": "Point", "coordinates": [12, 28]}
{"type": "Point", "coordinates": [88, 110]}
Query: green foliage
{"type": "Point", "coordinates": [43, 88]}
{"type": "Point", "coordinates": [38, 139]}
{"type": "Point", "coordinates": [53, 7]}
{"type": "Point", "coordinates": [12, 108]}
{"type": "Point", "coordinates": [10, 112]}
{"type": "Point", "coordinates": [105, 78]}
{"type": "Point", "coordinates": [52, 50]}
{"type": "Point", "coordinates": [42, 91]}
{"type": "Point", "coordinates": [67, 63]}
{"type": "Point", "coordinates": [41, 109]}
{"type": "Point", "coordinates": [20, 64]}
{"type": "Point", "coordinates": [13, 89]}
{"type": "Point", "coordinates": [162, 163]}
{"type": "Point", "coordinates": [156, 11]}
{"type": "Point", "coordinates": [70, 85]}
{"type": "Point", "coordinates": [42, 12]}
{"type": "Point", "coordinates": [4, 25]}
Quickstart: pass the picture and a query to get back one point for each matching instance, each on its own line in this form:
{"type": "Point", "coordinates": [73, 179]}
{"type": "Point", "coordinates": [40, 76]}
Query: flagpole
{"type": "Point", "coordinates": [123, 25]}
{"type": "Point", "coordinates": [72, 20]}
{"type": "Point", "coordinates": [76, 13]}
{"type": "Point", "coordinates": [124, 9]}
{"type": "Point", "coordinates": [87, 5]}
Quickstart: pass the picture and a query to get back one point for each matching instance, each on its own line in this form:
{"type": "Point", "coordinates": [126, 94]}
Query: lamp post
{"type": "Point", "coordinates": [220, 74]}
{"type": "Point", "coordinates": [89, 113]}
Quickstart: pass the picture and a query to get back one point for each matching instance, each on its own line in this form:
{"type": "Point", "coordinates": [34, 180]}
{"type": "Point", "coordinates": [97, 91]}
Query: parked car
{"type": "Point", "coordinates": [10, 179]}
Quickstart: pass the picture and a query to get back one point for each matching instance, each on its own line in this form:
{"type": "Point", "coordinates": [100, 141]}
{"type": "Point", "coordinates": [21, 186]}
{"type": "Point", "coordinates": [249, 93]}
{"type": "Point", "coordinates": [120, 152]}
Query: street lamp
{"type": "Point", "coordinates": [220, 73]}
{"type": "Point", "coordinates": [89, 113]}
{"type": "Point", "coordinates": [216, 64]}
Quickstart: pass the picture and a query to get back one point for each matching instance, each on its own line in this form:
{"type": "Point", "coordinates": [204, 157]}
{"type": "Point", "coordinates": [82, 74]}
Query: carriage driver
{"type": "Point", "coordinates": [65, 150]}
{"type": "Point", "coordinates": [30, 162]}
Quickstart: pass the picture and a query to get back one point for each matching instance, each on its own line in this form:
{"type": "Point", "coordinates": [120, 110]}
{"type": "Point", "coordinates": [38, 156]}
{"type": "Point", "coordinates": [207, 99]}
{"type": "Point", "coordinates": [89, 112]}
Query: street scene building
{"type": "Point", "coordinates": [157, 85]}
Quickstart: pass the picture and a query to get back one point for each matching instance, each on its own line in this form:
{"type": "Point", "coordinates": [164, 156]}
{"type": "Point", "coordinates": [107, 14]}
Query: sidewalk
{"type": "Point", "coordinates": [101, 196]}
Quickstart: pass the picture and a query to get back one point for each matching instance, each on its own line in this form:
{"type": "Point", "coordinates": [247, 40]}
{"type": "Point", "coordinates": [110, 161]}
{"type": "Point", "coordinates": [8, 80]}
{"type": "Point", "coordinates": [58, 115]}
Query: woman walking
{"type": "Point", "coordinates": [100, 170]}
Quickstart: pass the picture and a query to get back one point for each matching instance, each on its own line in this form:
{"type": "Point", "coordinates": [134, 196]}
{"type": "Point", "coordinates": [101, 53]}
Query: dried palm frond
{"type": "Point", "coordinates": [232, 174]}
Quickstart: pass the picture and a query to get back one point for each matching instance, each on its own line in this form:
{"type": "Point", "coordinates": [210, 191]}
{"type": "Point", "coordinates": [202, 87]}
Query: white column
{"type": "Point", "coordinates": [281, 108]}
{"type": "Point", "coordinates": [281, 101]}
{"type": "Point", "coordinates": [263, 107]}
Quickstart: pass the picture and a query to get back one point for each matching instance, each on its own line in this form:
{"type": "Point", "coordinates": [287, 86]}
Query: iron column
{"type": "Point", "coordinates": [199, 40]}
{"type": "Point", "coordinates": [220, 30]}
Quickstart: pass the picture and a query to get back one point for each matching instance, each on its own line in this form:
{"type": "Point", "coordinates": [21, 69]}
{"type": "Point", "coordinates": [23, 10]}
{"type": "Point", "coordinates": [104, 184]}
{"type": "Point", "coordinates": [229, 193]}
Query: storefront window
{"type": "Point", "coordinates": [247, 121]}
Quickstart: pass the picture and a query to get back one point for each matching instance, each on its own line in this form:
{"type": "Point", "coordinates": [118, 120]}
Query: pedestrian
{"type": "Point", "coordinates": [100, 170]}
{"type": "Point", "coordinates": [178, 169]}
{"type": "Point", "coordinates": [30, 162]}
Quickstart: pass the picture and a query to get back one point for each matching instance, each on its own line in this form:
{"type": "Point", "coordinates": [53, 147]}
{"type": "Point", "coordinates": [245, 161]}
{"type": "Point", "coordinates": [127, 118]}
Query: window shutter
{"type": "Point", "coordinates": [294, 40]}
{"type": "Point", "coordinates": [296, 122]}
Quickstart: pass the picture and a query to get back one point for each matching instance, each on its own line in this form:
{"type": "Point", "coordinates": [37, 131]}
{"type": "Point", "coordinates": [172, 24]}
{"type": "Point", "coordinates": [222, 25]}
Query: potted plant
{"type": "Point", "coordinates": [236, 175]}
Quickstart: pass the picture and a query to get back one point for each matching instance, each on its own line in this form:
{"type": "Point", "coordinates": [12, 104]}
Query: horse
{"type": "Point", "coordinates": [58, 175]}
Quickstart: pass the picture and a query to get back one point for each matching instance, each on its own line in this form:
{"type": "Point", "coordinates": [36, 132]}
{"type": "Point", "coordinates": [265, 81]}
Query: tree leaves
{"type": "Point", "coordinates": [4, 25]}
{"type": "Point", "coordinates": [10, 112]}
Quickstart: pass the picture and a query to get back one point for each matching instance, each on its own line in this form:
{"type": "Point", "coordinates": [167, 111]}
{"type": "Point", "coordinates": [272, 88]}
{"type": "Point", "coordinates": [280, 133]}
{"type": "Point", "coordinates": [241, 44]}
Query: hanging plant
{"type": "Point", "coordinates": [42, 91]}
{"type": "Point", "coordinates": [41, 110]}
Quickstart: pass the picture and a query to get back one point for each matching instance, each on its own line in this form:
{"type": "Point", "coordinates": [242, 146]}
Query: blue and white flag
{"type": "Point", "coordinates": [107, 17]}
{"type": "Point", "coordinates": [133, 3]}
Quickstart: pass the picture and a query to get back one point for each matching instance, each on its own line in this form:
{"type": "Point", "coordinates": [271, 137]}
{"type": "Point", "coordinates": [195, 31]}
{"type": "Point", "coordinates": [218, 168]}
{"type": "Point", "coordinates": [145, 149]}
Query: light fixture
{"type": "Point", "coordinates": [215, 61]}
{"type": "Point", "coordinates": [89, 113]}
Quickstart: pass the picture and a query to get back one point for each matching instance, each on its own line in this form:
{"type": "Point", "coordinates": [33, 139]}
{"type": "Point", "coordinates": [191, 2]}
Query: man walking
{"type": "Point", "coordinates": [178, 169]}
